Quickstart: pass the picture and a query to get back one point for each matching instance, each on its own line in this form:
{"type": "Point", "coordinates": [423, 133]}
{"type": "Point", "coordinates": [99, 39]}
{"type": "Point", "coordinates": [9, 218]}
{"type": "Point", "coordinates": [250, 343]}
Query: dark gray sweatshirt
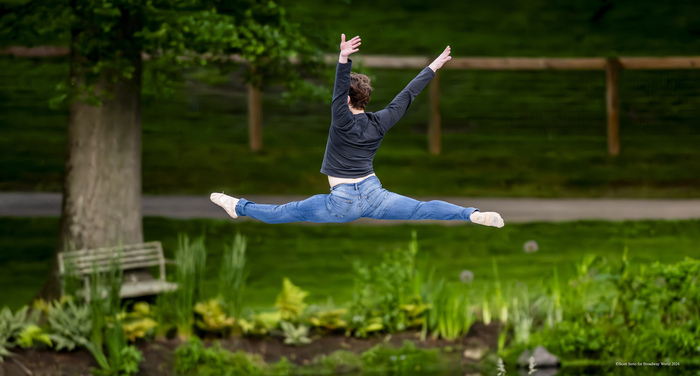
{"type": "Point", "coordinates": [353, 140]}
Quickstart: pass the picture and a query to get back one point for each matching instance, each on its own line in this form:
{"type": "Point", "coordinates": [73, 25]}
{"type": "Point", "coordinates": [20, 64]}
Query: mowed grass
{"type": "Point", "coordinates": [538, 134]}
{"type": "Point", "coordinates": [319, 258]}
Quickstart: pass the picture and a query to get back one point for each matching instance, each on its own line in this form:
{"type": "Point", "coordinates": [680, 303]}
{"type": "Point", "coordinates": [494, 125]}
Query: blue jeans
{"type": "Point", "coordinates": [348, 202]}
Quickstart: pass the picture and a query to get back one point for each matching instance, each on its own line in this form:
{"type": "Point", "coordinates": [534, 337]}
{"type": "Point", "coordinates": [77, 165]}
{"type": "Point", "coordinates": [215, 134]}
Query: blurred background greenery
{"type": "Point", "coordinates": [505, 134]}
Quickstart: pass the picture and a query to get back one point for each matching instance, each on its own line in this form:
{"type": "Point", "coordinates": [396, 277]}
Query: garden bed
{"type": "Point", "coordinates": [160, 359]}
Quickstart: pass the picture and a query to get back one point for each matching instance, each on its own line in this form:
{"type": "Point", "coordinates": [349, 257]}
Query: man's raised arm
{"type": "Point", "coordinates": [340, 111]}
{"type": "Point", "coordinates": [395, 110]}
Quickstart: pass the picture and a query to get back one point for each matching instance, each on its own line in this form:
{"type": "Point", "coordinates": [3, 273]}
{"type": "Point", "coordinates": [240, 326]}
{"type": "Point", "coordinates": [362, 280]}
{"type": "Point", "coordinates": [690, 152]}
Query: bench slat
{"type": "Point", "coordinates": [112, 254]}
{"type": "Point", "coordinates": [110, 259]}
{"type": "Point", "coordinates": [150, 245]}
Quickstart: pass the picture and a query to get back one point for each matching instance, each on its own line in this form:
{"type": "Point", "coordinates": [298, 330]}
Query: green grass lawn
{"type": "Point", "coordinates": [507, 27]}
{"type": "Point", "coordinates": [320, 258]}
{"type": "Point", "coordinates": [536, 134]}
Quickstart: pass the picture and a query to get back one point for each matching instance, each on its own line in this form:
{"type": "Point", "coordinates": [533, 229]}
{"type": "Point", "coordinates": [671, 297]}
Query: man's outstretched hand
{"type": "Point", "coordinates": [442, 59]}
{"type": "Point", "coordinates": [348, 48]}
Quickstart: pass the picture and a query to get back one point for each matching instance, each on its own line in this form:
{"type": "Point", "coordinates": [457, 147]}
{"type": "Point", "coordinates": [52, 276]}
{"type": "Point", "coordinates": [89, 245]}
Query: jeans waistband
{"type": "Point", "coordinates": [357, 186]}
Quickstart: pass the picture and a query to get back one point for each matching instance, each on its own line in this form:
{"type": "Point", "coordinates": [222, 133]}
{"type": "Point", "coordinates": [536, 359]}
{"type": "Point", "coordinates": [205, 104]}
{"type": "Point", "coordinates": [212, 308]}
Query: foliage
{"type": "Point", "coordinates": [193, 358]}
{"type": "Point", "coordinates": [232, 277]}
{"type": "Point", "coordinates": [619, 312]}
{"type": "Point", "coordinates": [383, 292]}
{"type": "Point", "coordinates": [108, 35]}
{"type": "Point", "coordinates": [261, 323]}
{"type": "Point", "coordinates": [31, 335]}
{"type": "Point", "coordinates": [139, 323]}
{"type": "Point", "coordinates": [18, 328]}
{"type": "Point", "coordinates": [191, 259]}
{"type": "Point", "coordinates": [327, 317]}
{"type": "Point", "coordinates": [290, 302]}
{"type": "Point", "coordinates": [339, 362]}
{"type": "Point", "coordinates": [295, 335]}
{"type": "Point", "coordinates": [121, 359]}
{"type": "Point", "coordinates": [405, 359]}
{"type": "Point", "coordinates": [450, 315]}
{"type": "Point", "coordinates": [212, 317]}
{"type": "Point", "coordinates": [70, 324]}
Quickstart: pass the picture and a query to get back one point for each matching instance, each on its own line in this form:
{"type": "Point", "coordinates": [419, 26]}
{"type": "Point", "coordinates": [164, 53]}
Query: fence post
{"type": "Point", "coordinates": [612, 102]}
{"type": "Point", "coordinates": [254, 118]}
{"type": "Point", "coordinates": [434, 131]}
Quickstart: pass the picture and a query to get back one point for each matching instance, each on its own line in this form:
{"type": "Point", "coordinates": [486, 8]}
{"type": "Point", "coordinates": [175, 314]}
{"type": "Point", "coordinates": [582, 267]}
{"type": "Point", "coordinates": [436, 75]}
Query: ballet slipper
{"type": "Point", "coordinates": [227, 202]}
{"type": "Point", "coordinates": [487, 219]}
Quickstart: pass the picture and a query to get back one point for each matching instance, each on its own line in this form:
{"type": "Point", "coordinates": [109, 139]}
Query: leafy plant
{"type": "Point", "coordinates": [382, 290]}
{"type": "Point", "coordinates": [261, 323]}
{"type": "Point", "coordinates": [295, 335]}
{"type": "Point", "coordinates": [12, 326]}
{"type": "Point", "coordinates": [139, 323]}
{"type": "Point", "coordinates": [193, 358]}
{"type": "Point", "coordinates": [191, 260]}
{"type": "Point", "coordinates": [70, 324]}
{"type": "Point", "coordinates": [290, 302]}
{"type": "Point", "coordinates": [31, 335]}
{"type": "Point", "coordinates": [212, 317]}
{"type": "Point", "coordinates": [404, 360]}
{"type": "Point", "coordinates": [232, 278]}
{"type": "Point", "coordinates": [450, 315]}
{"type": "Point", "coordinates": [327, 317]}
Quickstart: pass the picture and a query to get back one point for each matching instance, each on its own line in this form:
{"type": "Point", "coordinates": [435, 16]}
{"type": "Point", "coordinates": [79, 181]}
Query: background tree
{"type": "Point", "coordinates": [108, 41]}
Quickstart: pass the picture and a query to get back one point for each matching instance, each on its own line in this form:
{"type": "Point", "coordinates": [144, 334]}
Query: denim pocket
{"type": "Point", "coordinates": [338, 206]}
{"type": "Point", "coordinates": [376, 196]}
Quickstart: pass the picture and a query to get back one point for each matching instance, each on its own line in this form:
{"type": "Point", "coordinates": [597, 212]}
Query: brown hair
{"type": "Point", "coordinates": [360, 90]}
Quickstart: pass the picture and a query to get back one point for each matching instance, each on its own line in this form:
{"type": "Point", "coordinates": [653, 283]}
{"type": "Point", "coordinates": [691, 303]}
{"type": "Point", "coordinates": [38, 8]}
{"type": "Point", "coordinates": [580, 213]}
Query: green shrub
{"type": "Point", "coordinates": [621, 312]}
{"type": "Point", "coordinates": [14, 329]}
{"type": "Point", "coordinates": [450, 315]}
{"type": "Point", "coordinates": [70, 324]}
{"type": "Point", "coordinates": [339, 362]}
{"type": "Point", "coordinates": [290, 302]}
{"type": "Point", "coordinates": [232, 277]}
{"type": "Point", "coordinates": [191, 259]}
{"type": "Point", "coordinates": [382, 290]}
{"type": "Point", "coordinates": [193, 358]}
{"type": "Point", "coordinates": [295, 335]}
{"type": "Point", "coordinates": [406, 359]}
{"type": "Point", "coordinates": [139, 323]}
{"type": "Point", "coordinates": [212, 318]}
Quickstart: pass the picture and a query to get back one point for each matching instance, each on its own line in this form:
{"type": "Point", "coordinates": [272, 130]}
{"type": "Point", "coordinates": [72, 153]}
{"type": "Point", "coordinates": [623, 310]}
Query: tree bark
{"type": "Point", "coordinates": [102, 182]}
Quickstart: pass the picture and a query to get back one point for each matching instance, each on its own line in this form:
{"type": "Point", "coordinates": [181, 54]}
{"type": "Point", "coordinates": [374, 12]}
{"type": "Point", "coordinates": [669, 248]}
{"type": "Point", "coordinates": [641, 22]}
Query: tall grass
{"type": "Point", "coordinates": [107, 333]}
{"type": "Point", "coordinates": [232, 277]}
{"type": "Point", "coordinates": [190, 257]}
{"type": "Point", "coordinates": [451, 313]}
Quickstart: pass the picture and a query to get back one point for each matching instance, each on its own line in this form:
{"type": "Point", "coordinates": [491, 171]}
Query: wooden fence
{"type": "Point", "coordinates": [611, 66]}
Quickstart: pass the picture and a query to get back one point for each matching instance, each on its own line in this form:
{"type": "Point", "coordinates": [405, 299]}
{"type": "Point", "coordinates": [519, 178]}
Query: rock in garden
{"type": "Point", "coordinates": [543, 358]}
{"type": "Point", "coordinates": [474, 353]}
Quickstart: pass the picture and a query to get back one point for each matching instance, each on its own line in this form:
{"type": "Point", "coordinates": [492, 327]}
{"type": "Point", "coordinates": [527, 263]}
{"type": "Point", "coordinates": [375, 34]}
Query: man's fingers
{"type": "Point", "coordinates": [342, 38]}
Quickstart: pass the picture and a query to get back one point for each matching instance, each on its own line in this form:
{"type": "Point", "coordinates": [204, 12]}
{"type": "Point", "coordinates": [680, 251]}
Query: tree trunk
{"type": "Point", "coordinates": [102, 183]}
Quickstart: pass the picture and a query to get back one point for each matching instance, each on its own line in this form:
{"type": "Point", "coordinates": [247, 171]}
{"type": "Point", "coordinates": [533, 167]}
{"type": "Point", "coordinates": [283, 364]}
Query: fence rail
{"type": "Point", "coordinates": [611, 67]}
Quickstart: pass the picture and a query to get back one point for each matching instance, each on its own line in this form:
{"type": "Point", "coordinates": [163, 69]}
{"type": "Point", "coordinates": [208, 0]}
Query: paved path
{"type": "Point", "coordinates": [513, 209]}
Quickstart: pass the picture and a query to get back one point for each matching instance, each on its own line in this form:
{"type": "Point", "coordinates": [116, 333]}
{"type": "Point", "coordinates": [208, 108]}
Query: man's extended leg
{"type": "Point", "coordinates": [388, 205]}
{"type": "Point", "coordinates": [319, 208]}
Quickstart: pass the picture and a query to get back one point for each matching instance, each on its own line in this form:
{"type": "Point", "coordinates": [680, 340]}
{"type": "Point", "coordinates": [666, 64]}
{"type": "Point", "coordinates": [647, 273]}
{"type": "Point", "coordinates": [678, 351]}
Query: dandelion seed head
{"type": "Point", "coordinates": [531, 246]}
{"type": "Point", "coordinates": [466, 276]}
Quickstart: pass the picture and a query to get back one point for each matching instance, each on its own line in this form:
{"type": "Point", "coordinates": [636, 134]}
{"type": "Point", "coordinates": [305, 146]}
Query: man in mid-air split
{"type": "Point", "coordinates": [353, 140]}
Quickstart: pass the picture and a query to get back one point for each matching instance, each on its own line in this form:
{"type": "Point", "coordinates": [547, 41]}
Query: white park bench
{"type": "Point", "coordinates": [84, 263]}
